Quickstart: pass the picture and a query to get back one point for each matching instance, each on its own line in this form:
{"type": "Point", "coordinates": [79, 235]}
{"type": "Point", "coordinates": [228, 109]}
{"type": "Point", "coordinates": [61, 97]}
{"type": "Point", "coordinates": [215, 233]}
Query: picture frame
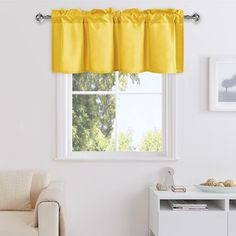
{"type": "Point", "coordinates": [222, 83]}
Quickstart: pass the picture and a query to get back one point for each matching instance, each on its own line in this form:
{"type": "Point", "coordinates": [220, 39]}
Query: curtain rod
{"type": "Point", "coordinates": [40, 17]}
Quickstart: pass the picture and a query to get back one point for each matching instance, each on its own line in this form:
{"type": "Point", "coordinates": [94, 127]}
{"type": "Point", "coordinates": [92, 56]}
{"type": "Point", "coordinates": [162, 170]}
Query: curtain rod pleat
{"type": "Point", "coordinates": [195, 17]}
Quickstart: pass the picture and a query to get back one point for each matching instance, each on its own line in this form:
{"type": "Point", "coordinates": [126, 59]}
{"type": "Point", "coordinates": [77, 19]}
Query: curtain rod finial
{"type": "Point", "coordinates": [196, 17]}
{"type": "Point", "coordinates": [39, 18]}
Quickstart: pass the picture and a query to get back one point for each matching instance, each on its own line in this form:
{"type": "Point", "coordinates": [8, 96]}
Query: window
{"type": "Point", "coordinates": [116, 116]}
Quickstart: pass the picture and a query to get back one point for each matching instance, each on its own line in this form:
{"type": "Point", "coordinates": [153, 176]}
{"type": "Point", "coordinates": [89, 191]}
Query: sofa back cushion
{"type": "Point", "coordinates": [39, 182]}
{"type": "Point", "coordinates": [15, 187]}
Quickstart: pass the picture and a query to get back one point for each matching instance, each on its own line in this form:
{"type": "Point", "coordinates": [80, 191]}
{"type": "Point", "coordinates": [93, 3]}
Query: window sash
{"type": "Point", "coordinates": [64, 123]}
{"type": "Point", "coordinates": [117, 93]}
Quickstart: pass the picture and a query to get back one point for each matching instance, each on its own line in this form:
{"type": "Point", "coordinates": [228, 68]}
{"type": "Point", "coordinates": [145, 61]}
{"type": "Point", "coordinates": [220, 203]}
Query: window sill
{"type": "Point", "coordinates": [116, 157]}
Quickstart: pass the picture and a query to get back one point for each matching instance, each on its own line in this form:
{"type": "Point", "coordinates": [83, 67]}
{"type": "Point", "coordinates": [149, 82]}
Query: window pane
{"type": "Point", "coordinates": [93, 82]}
{"type": "Point", "coordinates": [139, 123]}
{"type": "Point", "coordinates": [143, 82]}
{"type": "Point", "coordinates": [93, 122]}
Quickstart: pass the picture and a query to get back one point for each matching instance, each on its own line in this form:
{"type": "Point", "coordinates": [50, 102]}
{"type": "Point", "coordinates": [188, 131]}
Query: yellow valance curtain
{"type": "Point", "coordinates": [131, 41]}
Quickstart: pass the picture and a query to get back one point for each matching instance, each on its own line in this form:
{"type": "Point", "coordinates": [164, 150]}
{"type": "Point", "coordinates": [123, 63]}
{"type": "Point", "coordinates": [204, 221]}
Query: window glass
{"type": "Point", "coordinates": [93, 82]}
{"type": "Point", "coordinates": [143, 82]}
{"type": "Point", "coordinates": [140, 122]}
{"type": "Point", "coordinates": [93, 122]}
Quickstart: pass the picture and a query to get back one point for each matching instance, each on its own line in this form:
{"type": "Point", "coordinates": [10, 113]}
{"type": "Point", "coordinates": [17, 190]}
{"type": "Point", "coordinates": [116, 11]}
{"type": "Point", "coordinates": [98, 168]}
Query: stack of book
{"type": "Point", "coordinates": [186, 205]}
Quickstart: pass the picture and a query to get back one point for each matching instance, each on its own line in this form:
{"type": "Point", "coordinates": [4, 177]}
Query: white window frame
{"type": "Point", "coordinates": [64, 124]}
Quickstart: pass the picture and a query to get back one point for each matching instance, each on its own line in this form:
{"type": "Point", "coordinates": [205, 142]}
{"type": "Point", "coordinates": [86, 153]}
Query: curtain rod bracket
{"type": "Point", "coordinates": [40, 17]}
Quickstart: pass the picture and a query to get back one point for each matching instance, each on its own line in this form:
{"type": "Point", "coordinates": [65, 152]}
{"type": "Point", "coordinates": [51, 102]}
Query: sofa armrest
{"type": "Point", "coordinates": [50, 203]}
{"type": "Point", "coordinates": [48, 219]}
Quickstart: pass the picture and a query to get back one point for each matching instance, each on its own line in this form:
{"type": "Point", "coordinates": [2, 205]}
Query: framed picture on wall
{"type": "Point", "coordinates": [222, 84]}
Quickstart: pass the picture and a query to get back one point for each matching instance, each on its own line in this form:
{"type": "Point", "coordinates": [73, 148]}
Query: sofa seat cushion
{"type": "Point", "coordinates": [17, 223]}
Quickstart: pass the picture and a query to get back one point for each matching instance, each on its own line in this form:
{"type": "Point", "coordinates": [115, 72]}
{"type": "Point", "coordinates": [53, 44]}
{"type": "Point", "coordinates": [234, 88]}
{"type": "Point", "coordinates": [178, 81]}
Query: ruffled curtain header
{"type": "Point", "coordinates": [131, 41]}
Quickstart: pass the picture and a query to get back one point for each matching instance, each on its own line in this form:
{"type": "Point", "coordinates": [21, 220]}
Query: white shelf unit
{"type": "Point", "coordinates": [218, 220]}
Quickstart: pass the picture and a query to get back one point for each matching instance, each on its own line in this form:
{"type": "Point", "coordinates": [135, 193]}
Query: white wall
{"type": "Point", "coordinates": [111, 198]}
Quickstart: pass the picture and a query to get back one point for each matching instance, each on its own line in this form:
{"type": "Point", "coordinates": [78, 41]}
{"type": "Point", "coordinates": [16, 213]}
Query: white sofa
{"type": "Point", "coordinates": [22, 223]}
